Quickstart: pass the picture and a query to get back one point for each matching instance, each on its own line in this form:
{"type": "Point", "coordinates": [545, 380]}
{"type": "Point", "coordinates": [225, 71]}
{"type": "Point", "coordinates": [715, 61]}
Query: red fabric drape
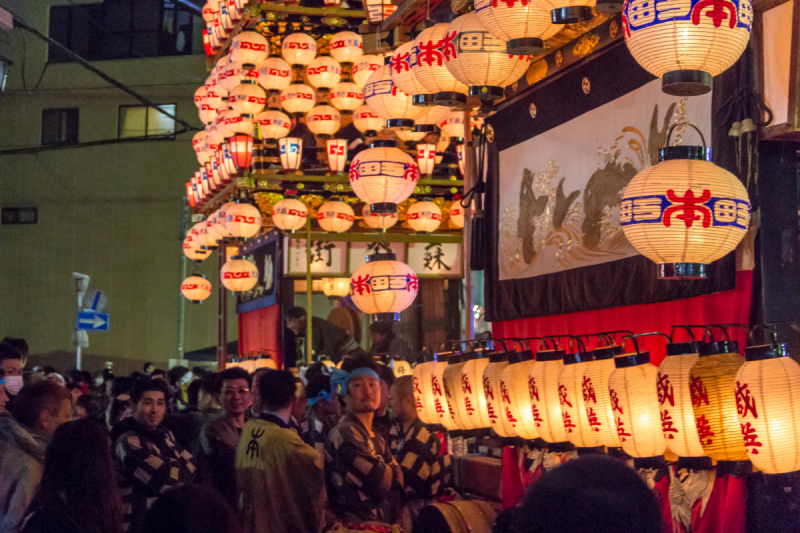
{"type": "Point", "coordinates": [260, 331]}
{"type": "Point", "coordinates": [512, 488]}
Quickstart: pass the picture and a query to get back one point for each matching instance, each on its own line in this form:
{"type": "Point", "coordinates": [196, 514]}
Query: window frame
{"type": "Point", "coordinates": [65, 112]}
{"type": "Point", "coordinates": [147, 135]}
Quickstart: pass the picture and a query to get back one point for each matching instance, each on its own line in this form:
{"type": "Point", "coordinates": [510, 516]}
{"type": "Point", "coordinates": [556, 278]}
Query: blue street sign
{"type": "Point", "coordinates": [91, 321]}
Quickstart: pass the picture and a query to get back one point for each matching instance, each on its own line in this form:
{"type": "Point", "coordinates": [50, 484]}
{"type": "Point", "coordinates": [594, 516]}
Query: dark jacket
{"type": "Point", "coordinates": [186, 427]}
{"type": "Point", "coordinates": [21, 465]}
{"type": "Point", "coordinates": [217, 461]}
{"type": "Point", "coordinates": [51, 519]}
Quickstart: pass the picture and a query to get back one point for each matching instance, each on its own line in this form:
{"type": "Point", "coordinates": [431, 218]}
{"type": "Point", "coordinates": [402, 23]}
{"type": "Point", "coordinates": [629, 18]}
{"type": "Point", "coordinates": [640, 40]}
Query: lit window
{"type": "Point", "coordinates": [143, 121]}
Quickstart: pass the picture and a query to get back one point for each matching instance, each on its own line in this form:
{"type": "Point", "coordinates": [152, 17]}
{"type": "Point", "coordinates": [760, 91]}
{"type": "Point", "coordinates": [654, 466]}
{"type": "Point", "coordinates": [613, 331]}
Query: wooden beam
{"type": "Point", "coordinates": [343, 178]}
{"type": "Point", "coordinates": [409, 7]}
{"type": "Point", "coordinates": [443, 238]}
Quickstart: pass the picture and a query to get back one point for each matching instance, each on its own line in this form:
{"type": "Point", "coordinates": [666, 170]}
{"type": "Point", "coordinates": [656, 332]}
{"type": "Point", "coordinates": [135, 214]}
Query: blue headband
{"type": "Point", "coordinates": [2, 380]}
{"type": "Point", "coordinates": [323, 395]}
{"type": "Point", "coordinates": [340, 378]}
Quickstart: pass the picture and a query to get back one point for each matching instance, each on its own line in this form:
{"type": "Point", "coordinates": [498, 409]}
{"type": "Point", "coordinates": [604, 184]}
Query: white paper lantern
{"type": "Point", "coordinates": [364, 67]}
{"type": "Point", "coordinates": [347, 97]}
{"type": "Point", "coordinates": [567, 11]}
{"type": "Point", "coordinates": [200, 95]}
{"type": "Point", "coordinates": [299, 49]}
{"type": "Point", "coordinates": [273, 124]}
{"type": "Point", "coordinates": [403, 76]}
{"type": "Point", "coordinates": [596, 399]}
{"type": "Point", "coordinates": [426, 159]}
{"type": "Point", "coordinates": [335, 216]}
{"type": "Point", "coordinates": [274, 74]}
{"type": "Point", "coordinates": [428, 63]}
{"type": "Point", "coordinates": [234, 73]}
{"type": "Point", "coordinates": [441, 407]}
{"type": "Point", "coordinates": [324, 72]}
{"type": "Point", "coordinates": [470, 400]}
{"type": "Point", "coordinates": [290, 214]}
{"type": "Point", "coordinates": [323, 121]}
{"type": "Point", "coordinates": [424, 216]}
{"type": "Point", "coordinates": [493, 390]}
{"type": "Point", "coordinates": [209, 10]}
{"type": "Point", "coordinates": [335, 288]}
{"type": "Point", "coordinates": [389, 102]}
{"type": "Point", "coordinates": [383, 287]}
{"type": "Point", "coordinates": [346, 47]}
{"type": "Point", "coordinates": [457, 214]}
{"type": "Point", "coordinates": [196, 289]}
{"type": "Point", "coordinates": [250, 48]}
{"type": "Point", "coordinates": [243, 220]}
{"type": "Point", "coordinates": [199, 145]}
{"type": "Point", "coordinates": [573, 407]}
{"type": "Point", "coordinates": [291, 153]}
{"type": "Point", "coordinates": [336, 150]}
{"type": "Point", "coordinates": [423, 393]}
{"type": "Point", "coordinates": [453, 126]}
{"type": "Point", "coordinates": [206, 113]}
{"type": "Point", "coordinates": [367, 122]}
{"type": "Point", "coordinates": [238, 275]}
{"type": "Point", "coordinates": [521, 25]}
{"type": "Point", "coordinates": [411, 135]}
{"type": "Point", "coordinates": [515, 394]}
{"type": "Point", "coordinates": [675, 400]}
{"type": "Point", "coordinates": [383, 176]}
{"type": "Point", "coordinates": [204, 239]}
{"type": "Point", "coordinates": [192, 250]}
{"type": "Point", "coordinates": [399, 367]}
{"type": "Point", "coordinates": [379, 221]}
{"type": "Point", "coordinates": [298, 98]}
{"type": "Point", "coordinates": [429, 122]}
{"type": "Point", "coordinates": [545, 400]}
{"type": "Point", "coordinates": [247, 98]}
{"type": "Point", "coordinates": [214, 91]}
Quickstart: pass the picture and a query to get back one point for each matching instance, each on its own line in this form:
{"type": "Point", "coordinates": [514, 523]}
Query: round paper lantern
{"type": "Point", "coordinates": [237, 124]}
{"type": "Point", "coordinates": [457, 214]}
{"type": "Point", "coordinates": [383, 176]}
{"type": "Point", "coordinates": [200, 95]}
{"type": "Point", "coordinates": [233, 73]}
{"type": "Point", "coordinates": [323, 121]}
{"type": "Point", "coordinates": [521, 25]}
{"type": "Point", "coordinates": [423, 394]}
{"type": "Point", "coordinates": [243, 220]}
{"type": "Point", "coordinates": [515, 394]}
{"type": "Point", "coordinates": [291, 153]}
{"type": "Point", "coordinates": [711, 384]}
{"type": "Point", "coordinates": [684, 212]}
{"type": "Point", "coordinates": [247, 98]}
{"type": "Point", "coordinates": [767, 388]}
{"type": "Point", "coordinates": [451, 377]}
{"type": "Point", "coordinates": [221, 214]}
{"type": "Point", "coordinates": [545, 401]}
{"type": "Point", "coordinates": [346, 47]}
{"type": "Point", "coordinates": [567, 11]}
{"type": "Point", "coordinates": [324, 72]}
{"type": "Point", "coordinates": [441, 406]}
{"type": "Point", "coordinates": [199, 145]}
{"type": "Point", "coordinates": [389, 102]}
{"type": "Point", "coordinates": [335, 287]}
{"type": "Point", "coordinates": [336, 150]}
{"type": "Point", "coordinates": [335, 216]}
{"type": "Point", "coordinates": [429, 122]}
{"type": "Point", "coordinates": [571, 395]}
{"type": "Point", "coordinates": [290, 214]}
{"type": "Point", "coordinates": [675, 400]}
{"type": "Point", "coordinates": [206, 113]}
{"type": "Point", "coordinates": [192, 250]}
{"type": "Point", "coordinates": [298, 98]}
{"type": "Point", "coordinates": [299, 49]}
{"type": "Point", "coordinates": [411, 136]}
{"type": "Point", "coordinates": [383, 287]}
{"type": "Point", "coordinates": [347, 97]}
{"type": "Point", "coordinates": [596, 399]}
{"type": "Point", "coordinates": [399, 367]}
{"type": "Point", "coordinates": [634, 401]}
{"type": "Point", "coordinates": [250, 48]}
{"type": "Point", "coordinates": [241, 149]}
{"type": "Point", "coordinates": [424, 216]}
{"type": "Point", "coordinates": [209, 10]}
{"type": "Point", "coordinates": [265, 361]}
{"type": "Point", "coordinates": [379, 220]}
{"type": "Point", "coordinates": [403, 77]}
{"type": "Point", "coordinates": [690, 44]}
{"type": "Point", "coordinates": [238, 275]}
{"type": "Point", "coordinates": [494, 390]}
{"type": "Point", "coordinates": [453, 126]}
{"type": "Point", "coordinates": [367, 122]}
{"type": "Point", "coordinates": [196, 289]}
{"type": "Point", "coordinates": [480, 60]}
{"type": "Point", "coordinates": [428, 63]}
{"type": "Point", "coordinates": [470, 400]}
{"type": "Point", "coordinates": [273, 124]}
{"type": "Point", "coordinates": [364, 67]}
{"type": "Point", "coordinates": [204, 239]}
{"type": "Point", "coordinates": [274, 74]}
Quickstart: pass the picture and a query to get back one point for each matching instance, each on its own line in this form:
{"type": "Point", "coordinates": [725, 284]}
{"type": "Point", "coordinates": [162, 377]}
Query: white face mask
{"type": "Point", "coordinates": [13, 384]}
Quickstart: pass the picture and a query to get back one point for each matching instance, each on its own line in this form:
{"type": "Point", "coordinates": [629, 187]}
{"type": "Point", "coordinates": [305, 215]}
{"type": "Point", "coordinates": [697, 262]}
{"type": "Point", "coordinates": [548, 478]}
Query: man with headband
{"type": "Point", "coordinates": [324, 411]}
{"type": "Point", "coordinates": [365, 483]}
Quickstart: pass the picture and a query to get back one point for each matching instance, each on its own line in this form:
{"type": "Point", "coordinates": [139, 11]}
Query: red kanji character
{"type": "Point", "coordinates": [621, 430]}
{"type": "Point", "coordinates": [717, 13]}
{"type": "Point", "coordinates": [562, 395]}
{"type": "Point", "coordinates": [745, 403]}
{"type": "Point", "coordinates": [439, 408]}
{"type": "Point", "coordinates": [750, 437]}
{"type": "Point", "coordinates": [704, 431]}
{"type": "Point", "coordinates": [446, 390]}
{"type": "Point", "coordinates": [449, 46]}
{"type": "Point", "coordinates": [588, 390]}
{"type": "Point", "coordinates": [511, 419]}
{"type": "Point", "coordinates": [415, 383]}
{"type": "Point", "coordinates": [360, 285]}
{"type": "Point", "coordinates": [687, 206]}
{"type": "Point", "coordinates": [411, 173]}
{"type": "Point", "coordinates": [509, 3]}
{"type": "Point", "coordinates": [487, 388]}
{"type": "Point", "coordinates": [465, 385]}
{"type": "Point", "coordinates": [537, 417]}
{"type": "Point", "coordinates": [594, 422]}
{"type": "Point", "coordinates": [490, 410]}
{"type": "Point", "coordinates": [533, 391]}
{"type": "Point", "coordinates": [435, 386]}
{"type": "Point", "coordinates": [429, 53]}
{"type": "Point", "coordinates": [400, 63]}
{"type": "Point", "coordinates": [667, 425]}
{"type": "Point", "coordinates": [412, 282]}
{"type": "Point", "coordinates": [698, 391]}
{"type": "Point", "coordinates": [468, 406]}
{"type": "Point", "coordinates": [568, 425]}
{"type": "Point", "coordinates": [665, 390]}
{"type": "Point", "coordinates": [615, 406]}
{"type": "Point", "coordinates": [353, 172]}
{"type": "Point", "coordinates": [504, 392]}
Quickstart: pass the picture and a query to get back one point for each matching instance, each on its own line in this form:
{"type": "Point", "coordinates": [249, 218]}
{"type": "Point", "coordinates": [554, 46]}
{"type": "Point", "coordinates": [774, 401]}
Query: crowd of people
{"type": "Point", "coordinates": [194, 451]}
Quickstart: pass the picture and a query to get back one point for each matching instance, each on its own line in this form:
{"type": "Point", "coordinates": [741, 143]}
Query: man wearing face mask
{"type": "Point", "coordinates": [11, 364]}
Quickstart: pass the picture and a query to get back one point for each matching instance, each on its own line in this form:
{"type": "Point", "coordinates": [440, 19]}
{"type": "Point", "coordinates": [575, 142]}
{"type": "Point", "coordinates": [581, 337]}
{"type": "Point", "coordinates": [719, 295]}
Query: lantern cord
{"type": "Point", "coordinates": [480, 185]}
{"type": "Point", "coordinates": [636, 344]}
{"type": "Point", "coordinates": [24, 61]}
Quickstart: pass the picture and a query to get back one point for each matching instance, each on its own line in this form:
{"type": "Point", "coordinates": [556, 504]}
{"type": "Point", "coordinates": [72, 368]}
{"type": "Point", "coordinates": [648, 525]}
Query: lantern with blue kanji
{"type": "Point", "coordinates": [383, 287]}
{"type": "Point", "coordinates": [383, 176]}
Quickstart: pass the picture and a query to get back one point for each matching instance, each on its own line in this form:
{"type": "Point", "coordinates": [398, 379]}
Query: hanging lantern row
{"type": "Point", "coordinates": [251, 363]}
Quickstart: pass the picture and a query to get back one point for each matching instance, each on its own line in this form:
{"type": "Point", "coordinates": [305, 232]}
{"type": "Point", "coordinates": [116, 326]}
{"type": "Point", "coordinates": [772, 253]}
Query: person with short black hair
{"type": "Point", "coordinates": [324, 411]}
{"type": "Point", "coordinates": [382, 421]}
{"type": "Point", "coordinates": [280, 478]}
{"type": "Point", "coordinates": [159, 374]}
{"type": "Point", "coordinates": [255, 408]}
{"type": "Point", "coordinates": [190, 509]}
{"type": "Point", "coordinates": [93, 407]}
{"type": "Point", "coordinates": [11, 364]}
{"type": "Point", "coordinates": [327, 339]}
{"type": "Point", "coordinates": [386, 344]}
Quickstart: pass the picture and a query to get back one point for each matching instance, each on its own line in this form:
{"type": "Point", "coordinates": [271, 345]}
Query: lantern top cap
{"type": "Point", "coordinates": [383, 143]}
{"type": "Point", "coordinates": [579, 357]}
{"type": "Point", "coordinates": [455, 358]}
{"type": "Point", "coordinates": [607, 352]}
{"type": "Point", "coordinates": [633, 359]}
{"type": "Point", "coordinates": [681, 348]}
{"type": "Point", "coordinates": [696, 153]}
{"type": "Point", "coordinates": [718, 347]}
{"type": "Point", "coordinates": [550, 355]}
{"type": "Point", "coordinates": [381, 256]}
{"type": "Point", "coordinates": [498, 356]}
{"type": "Point", "coordinates": [520, 357]}
{"type": "Point", "coordinates": [765, 351]}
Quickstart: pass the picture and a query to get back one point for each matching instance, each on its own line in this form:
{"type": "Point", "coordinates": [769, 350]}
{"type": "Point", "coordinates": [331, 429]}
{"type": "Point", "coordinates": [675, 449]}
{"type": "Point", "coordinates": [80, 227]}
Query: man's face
{"type": "Point", "coordinates": [150, 409]}
{"type": "Point", "coordinates": [3, 398]}
{"type": "Point", "coordinates": [331, 408]}
{"type": "Point", "coordinates": [402, 406]}
{"type": "Point", "coordinates": [377, 338]}
{"type": "Point", "coordinates": [296, 324]}
{"type": "Point", "coordinates": [49, 422]}
{"type": "Point", "coordinates": [12, 367]}
{"type": "Point", "coordinates": [363, 394]}
{"type": "Point", "coordinates": [235, 396]}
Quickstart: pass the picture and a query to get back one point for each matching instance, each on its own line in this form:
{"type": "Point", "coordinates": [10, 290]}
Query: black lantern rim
{"type": "Point", "coordinates": [399, 124]}
{"type": "Point", "coordinates": [687, 83]}
{"type": "Point", "coordinates": [681, 348]}
{"type": "Point", "coordinates": [607, 352]}
{"type": "Point", "coordinates": [765, 351]}
{"type": "Point", "coordinates": [426, 128]}
{"type": "Point", "coordinates": [383, 143]}
{"type": "Point", "coordinates": [498, 357]}
{"type": "Point", "coordinates": [550, 355]}
{"type": "Point", "coordinates": [383, 208]}
{"type": "Point", "coordinates": [526, 46]}
{"type": "Point", "coordinates": [633, 359]}
{"type": "Point", "coordinates": [571, 14]}
{"type": "Point", "coordinates": [579, 357]}
{"type": "Point", "coordinates": [423, 100]}
{"type": "Point", "coordinates": [381, 256]}
{"type": "Point", "coordinates": [450, 99]}
{"type": "Point", "coordinates": [682, 271]}
{"type": "Point", "coordinates": [717, 347]}
{"type": "Point", "coordinates": [486, 92]}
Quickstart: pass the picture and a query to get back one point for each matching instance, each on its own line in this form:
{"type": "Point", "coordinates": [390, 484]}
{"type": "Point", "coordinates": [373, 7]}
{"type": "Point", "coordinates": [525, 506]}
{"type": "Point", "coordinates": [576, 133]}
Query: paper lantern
{"type": "Point", "coordinates": [323, 121]}
{"type": "Point", "coordinates": [378, 10]}
{"type": "Point", "coordinates": [711, 384]}
{"type": "Point", "coordinates": [596, 398]}
{"type": "Point", "coordinates": [234, 73]}
{"type": "Point", "coordinates": [571, 395]}
{"type": "Point", "coordinates": [426, 158]}
{"type": "Point", "coordinates": [411, 136]}
{"type": "Point", "coordinates": [273, 124]}
{"type": "Point", "coordinates": [206, 113]}
{"type": "Point", "coordinates": [515, 395]}
{"type": "Point", "coordinates": [364, 67]}
{"type": "Point", "coordinates": [453, 126]}
{"type": "Point", "coordinates": [403, 77]}
{"type": "Point", "coordinates": [460, 154]}
{"type": "Point", "coordinates": [324, 72]}
{"type": "Point", "coordinates": [346, 47]}
{"type": "Point", "coordinates": [675, 400]}
{"type": "Point", "coordinates": [634, 401]}
{"type": "Point", "coordinates": [221, 215]}
{"type": "Point", "coordinates": [199, 145]}
{"type": "Point", "coordinates": [291, 153]}
{"type": "Point", "coordinates": [290, 214]}
{"type": "Point", "coordinates": [209, 11]}
{"type": "Point", "coordinates": [423, 394]}
{"type": "Point", "coordinates": [493, 390]}
{"type": "Point", "coordinates": [190, 196]}
{"type": "Point", "coordinates": [767, 388]}
{"type": "Point", "coordinates": [225, 161]}
{"type": "Point", "coordinates": [336, 150]}
{"type": "Point", "coordinates": [196, 289]}
{"type": "Point", "coordinates": [367, 122]}
{"type": "Point", "coordinates": [480, 60]}
{"type": "Point", "coordinates": [243, 220]}
{"type": "Point", "coordinates": [383, 176]}
{"type": "Point", "coordinates": [274, 74]}
{"type": "Point", "coordinates": [335, 216]}
{"type": "Point", "coordinates": [457, 214]}
{"type": "Point", "coordinates": [543, 390]}
{"type": "Point", "coordinates": [429, 122]}
{"type": "Point", "coordinates": [428, 63]}
{"type": "Point", "coordinates": [451, 378]}
{"type": "Point", "coordinates": [424, 216]}
{"type": "Point", "coordinates": [567, 11]}
{"type": "Point", "coordinates": [299, 49]}
{"type": "Point", "coordinates": [265, 361]}
{"type": "Point", "coordinates": [684, 212]}
{"type": "Point", "coordinates": [250, 48]}
{"type": "Point", "coordinates": [389, 102]}
{"type": "Point", "coordinates": [247, 98]}
{"type": "Point", "coordinates": [347, 97]}
{"type": "Point", "coordinates": [298, 98]}
{"type": "Point", "coordinates": [688, 44]}
{"type": "Point", "coordinates": [205, 239]}
{"type": "Point", "coordinates": [192, 250]}
{"type": "Point", "coordinates": [378, 220]}
{"type": "Point", "coordinates": [383, 287]}
{"type": "Point", "coordinates": [335, 287]}
{"type": "Point", "coordinates": [238, 275]}
{"type": "Point", "coordinates": [238, 124]}
{"type": "Point", "coordinates": [441, 406]}
{"type": "Point", "coordinates": [521, 25]}
{"type": "Point", "coordinates": [200, 96]}
{"type": "Point", "coordinates": [241, 147]}
{"type": "Point", "coordinates": [399, 367]}
{"type": "Point", "coordinates": [212, 227]}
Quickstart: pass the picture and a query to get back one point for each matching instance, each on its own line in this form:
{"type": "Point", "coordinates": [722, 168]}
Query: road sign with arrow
{"type": "Point", "coordinates": [92, 321]}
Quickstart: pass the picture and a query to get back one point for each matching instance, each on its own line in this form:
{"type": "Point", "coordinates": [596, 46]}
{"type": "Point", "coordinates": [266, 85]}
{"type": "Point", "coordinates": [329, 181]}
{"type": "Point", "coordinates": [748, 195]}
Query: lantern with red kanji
{"type": "Point", "coordinates": [403, 77]}
{"type": "Point", "coordinates": [243, 220]}
{"type": "Point", "coordinates": [250, 48]}
{"type": "Point", "coordinates": [441, 406]}
{"type": "Point", "coordinates": [429, 122]}
{"type": "Point", "coordinates": [494, 389]}
{"type": "Point", "coordinates": [199, 145]}
{"type": "Point", "coordinates": [423, 394]}
{"type": "Point", "coordinates": [241, 147]}
{"type": "Point", "coordinates": [543, 390]}
{"type": "Point", "coordinates": [324, 72]}
{"type": "Point", "coordinates": [298, 98]}
{"type": "Point", "coordinates": [573, 405]}
{"type": "Point", "coordinates": [233, 73]}
{"type": "Point", "coordinates": [274, 74]}
{"type": "Point", "coordinates": [428, 62]}
{"type": "Point", "coordinates": [382, 221]}
{"type": "Point", "coordinates": [289, 214]}
{"type": "Point", "coordinates": [192, 249]}
{"type": "Point", "coordinates": [383, 176]}
{"type": "Point", "coordinates": [196, 289]}
{"type": "Point", "coordinates": [347, 97]}
{"type": "Point", "coordinates": [323, 121]}
{"type": "Point", "coordinates": [364, 67]}
{"type": "Point", "coordinates": [238, 275]}
{"type": "Point", "coordinates": [519, 23]}
{"type": "Point", "coordinates": [675, 400]}
{"type": "Point", "coordinates": [291, 153]}
{"type": "Point", "coordinates": [426, 158]}
{"type": "Point", "coordinates": [298, 49]}
{"type": "Point", "coordinates": [346, 47]}
{"type": "Point", "coordinates": [273, 124]}
{"type": "Point", "coordinates": [387, 101]}
{"type": "Point", "coordinates": [470, 400]}
{"type": "Point", "coordinates": [336, 150]}
{"type": "Point", "coordinates": [383, 287]}
{"type": "Point", "coordinates": [367, 122]}
{"type": "Point", "coordinates": [515, 395]}
{"type": "Point", "coordinates": [200, 95]}
{"type": "Point", "coordinates": [424, 216]}
{"type": "Point", "coordinates": [451, 379]}
{"type": "Point", "coordinates": [335, 216]}
{"type": "Point", "coordinates": [247, 98]}
{"type": "Point", "coordinates": [457, 214]}
{"type": "Point", "coordinates": [454, 125]}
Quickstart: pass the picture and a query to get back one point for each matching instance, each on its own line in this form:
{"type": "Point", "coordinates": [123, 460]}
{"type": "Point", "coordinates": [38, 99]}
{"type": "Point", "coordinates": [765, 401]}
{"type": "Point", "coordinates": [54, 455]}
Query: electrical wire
{"type": "Point", "coordinates": [24, 62]}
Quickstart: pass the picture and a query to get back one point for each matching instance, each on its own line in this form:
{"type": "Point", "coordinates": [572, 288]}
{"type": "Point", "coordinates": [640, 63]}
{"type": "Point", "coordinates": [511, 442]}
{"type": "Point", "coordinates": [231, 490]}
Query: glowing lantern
{"type": "Point", "coordinates": [403, 77]}
{"type": "Point", "coordinates": [241, 147]}
{"type": "Point", "coordinates": [273, 124]}
{"type": "Point", "coordinates": [411, 136]}
{"type": "Point", "coordinates": [347, 97]}
{"type": "Point", "coordinates": [238, 275]}
{"type": "Point", "coordinates": [567, 11]}
{"type": "Point", "coordinates": [470, 400]}
{"type": "Point", "coordinates": [460, 153]}
{"type": "Point", "coordinates": [200, 95]}
{"type": "Point", "coordinates": [234, 73]}
{"type": "Point", "coordinates": [291, 152]}
{"type": "Point", "coordinates": [486, 69]}
{"type": "Point", "coordinates": [290, 214]}
{"type": "Point", "coordinates": [389, 102]}
{"type": "Point", "coordinates": [430, 121]}
{"type": "Point", "coordinates": [521, 25]}
{"type": "Point", "coordinates": [247, 98]}
{"type": "Point", "coordinates": [702, 212]}
{"type": "Point", "coordinates": [441, 407]}
{"type": "Point", "coordinates": [399, 367]}
{"type": "Point", "coordinates": [697, 41]}
{"type": "Point", "coordinates": [299, 49]}
{"type": "Point", "coordinates": [379, 220]}
{"type": "Point", "coordinates": [596, 398]}
{"type": "Point", "coordinates": [298, 98]}
{"type": "Point", "coordinates": [367, 122]}
{"type": "Point", "coordinates": [199, 145]}
{"type": "Point", "coordinates": [383, 176]}
{"type": "Point", "coordinates": [675, 400]}
{"type": "Point", "coordinates": [335, 287]}
{"type": "Point", "coordinates": [451, 379]}
{"type": "Point", "coordinates": [714, 400]}
{"type": "Point", "coordinates": [192, 250]}
{"type": "Point", "coordinates": [222, 213]}
{"type": "Point", "coordinates": [383, 287]}
{"type": "Point", "coordinates": [335, 216]}
{"type": "Point", "coordinates": [190, 196]}
{"type": "Point", "coordinates": [274, 74]}
{"type": "Point", "coordinates": [364, 68]}
{"type": "Point", "coordinates": [238, 124]}
{"type": "Point", "coordinates": [243, 220]}
{"type": "Point", "coordinates": [336, 150]}
{"type": "Point", "coordinates": [378, 10]}
{"type": "Point", "coordinates": [196, 289]}
{"type": "Point", "coordinates": [543, 389]}
{"type": "Point", "coordinates": [493, 390]}
{"type": "Point", "coordinates": [346, 47]}
{"type": "Point", "coordinates": [572, 396]}
{"type": "Point", "coordinates": [250, 48]}
{"type": "Point", "coordinates": [206, 113]}
{"type": "Point", "coordinates": [265, 361]}
{"type": "Point", "coordinates": [209, 10]}
{"type": "Point", "coordinates": [323, 121]}
{"type": "Point", "coordinates": [516, 396]}
{"type": "Point", "coordinates": [426, 158]}
{"type": "Point", "coordinates": [634, 401]}
{"type": "Point", "coordinates": [324, 72]}
{"type": "Point", "coordinates": [204, 239]}
{"type": "Point", "coordinates": [424, 216]}
{"type": "Point", "coordinates": [457, 214]}
{"type": "Point", "coordinates": [428, 63]}
{"type": "Point", "coordinates": [454, 125]}
{"type": "Point", "coordinates": [423, 394]}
